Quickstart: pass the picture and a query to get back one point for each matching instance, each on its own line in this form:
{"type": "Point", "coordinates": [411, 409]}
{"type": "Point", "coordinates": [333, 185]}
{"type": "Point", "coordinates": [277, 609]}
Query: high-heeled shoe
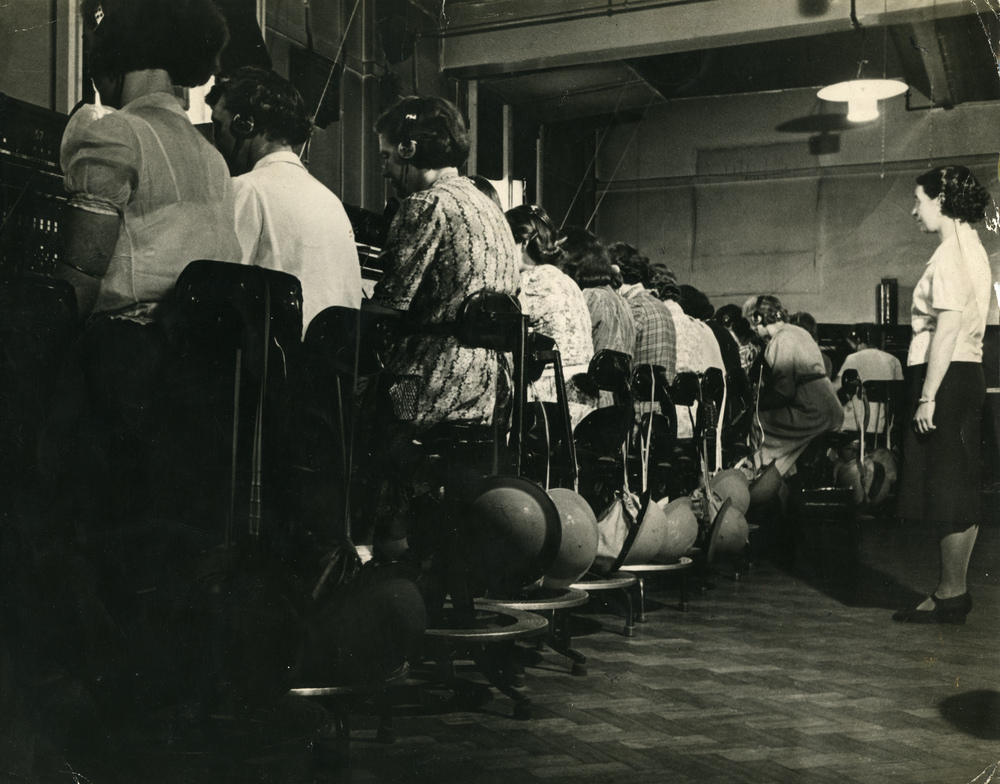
{"type": "Point", "coordinates": [951, 610]}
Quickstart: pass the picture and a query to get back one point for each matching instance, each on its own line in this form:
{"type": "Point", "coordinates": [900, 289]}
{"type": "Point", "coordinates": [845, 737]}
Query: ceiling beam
{"type": "Point", "coordinates": [492, 37]}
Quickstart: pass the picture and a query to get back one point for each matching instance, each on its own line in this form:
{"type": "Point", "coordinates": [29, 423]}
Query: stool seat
{"type": "Point", "coordinates": [491, 624]}
{"type": "Point", "coordinates": [609, 582]}
{"type": "Point", "coordinates": [679, 565]}
{"type": "Point", "coordinates": [393, 678]}
{"type": "Point", "coordinates": [541, 600]}
{"type": "Point", "coordinates": [332, 743]}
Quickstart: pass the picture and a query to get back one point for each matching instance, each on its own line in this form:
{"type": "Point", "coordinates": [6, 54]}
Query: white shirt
{"type": "Point", "coordinates": [288, 220]}
{"type": "Point", "coordinates": [958, 278]}
{"type": "Point", "coordinates": [872, 365]}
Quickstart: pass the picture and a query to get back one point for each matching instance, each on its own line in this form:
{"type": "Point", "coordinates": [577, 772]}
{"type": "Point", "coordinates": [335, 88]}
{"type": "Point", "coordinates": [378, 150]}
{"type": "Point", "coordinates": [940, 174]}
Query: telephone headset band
{"type": "Point", "coordinates": [243, 125]}
{"type": "Point", "coordinates": [407, 130]}
{"type": "Point", "coordinates": [539, 213]}
{"type": "Point", "coordinates": [758, 317]}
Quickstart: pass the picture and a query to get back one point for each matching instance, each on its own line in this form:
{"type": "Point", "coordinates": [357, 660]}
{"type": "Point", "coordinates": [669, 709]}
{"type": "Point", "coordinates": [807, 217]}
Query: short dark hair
{"type": "Point", "coordinates": [277, 108]}
{"type": "Point", "coordinates": [663, 282]}
{"type": "Point", "coordinates": [633, 266]}
{"type": "Point", "coordinates": [436, 126]}
{"type": "Point", "coordinates": [695, 303]}
{"type": "Point", "coordinates": [182, 37]}
{"type": "Point", "coordinates": [807, 321]}
{"type": "Point", "coordinates": [533, 228]}
{"type": "Point", "coordinates": [585, 259]}
{"type": "Point", "coordinates": [731, 317]}
{"type": "Point", "coordinates": [863, 333]}
{"type": "Point", "coordinates": [485, 187]}
{"type": "Point", "coordinates": [964, 198]}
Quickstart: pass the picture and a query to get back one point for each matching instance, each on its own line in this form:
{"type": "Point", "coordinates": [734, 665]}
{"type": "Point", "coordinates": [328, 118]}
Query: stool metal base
{"type": "Point", "coordinates": [642, 570]}
{"type": "Point", "coordinates": [487, 639]}
{"type": "Point", "coordinates": [617, 581]}
{"type": "Point", "coordinates": [554, 606]}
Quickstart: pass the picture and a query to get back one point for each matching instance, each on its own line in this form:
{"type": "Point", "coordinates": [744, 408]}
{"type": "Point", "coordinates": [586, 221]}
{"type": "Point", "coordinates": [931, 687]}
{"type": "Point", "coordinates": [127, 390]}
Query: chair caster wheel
{"type": "Point", "coordinates": [579, 670]}
{"type": "Point", "coordinates": [522, 710]}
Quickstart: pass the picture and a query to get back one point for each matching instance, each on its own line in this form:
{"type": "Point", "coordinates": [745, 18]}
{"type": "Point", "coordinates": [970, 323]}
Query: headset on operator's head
{"type": "Point", "coordinates": [767, 311]}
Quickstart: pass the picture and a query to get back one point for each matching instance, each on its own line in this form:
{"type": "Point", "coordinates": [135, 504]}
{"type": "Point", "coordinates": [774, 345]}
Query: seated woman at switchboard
{"type": "Point", "coordinates": [554, 304]}
{"type": "Point", "coordinates": [447, 241]}
{"type": "Point", "coordinates": [587, 261]}
{"type": "Point", "coordinates": [796, 401]}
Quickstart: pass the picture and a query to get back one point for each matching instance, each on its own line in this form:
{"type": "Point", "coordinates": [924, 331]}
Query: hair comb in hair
{"type": "Point", "coordinates": [98, 16]}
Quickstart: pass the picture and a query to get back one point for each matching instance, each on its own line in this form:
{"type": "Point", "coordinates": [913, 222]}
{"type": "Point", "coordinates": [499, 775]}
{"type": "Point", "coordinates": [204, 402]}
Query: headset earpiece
{"type": "Point", "coordinates": [242, 126]}
{"type": "Point", "coordinates": [406, 150]}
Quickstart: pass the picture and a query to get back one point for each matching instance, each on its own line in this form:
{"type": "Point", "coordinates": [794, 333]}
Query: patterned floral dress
{"type": "Point", "coordinates": [555, 306]}
{"type": "Point", "coordinates": [445, 243]}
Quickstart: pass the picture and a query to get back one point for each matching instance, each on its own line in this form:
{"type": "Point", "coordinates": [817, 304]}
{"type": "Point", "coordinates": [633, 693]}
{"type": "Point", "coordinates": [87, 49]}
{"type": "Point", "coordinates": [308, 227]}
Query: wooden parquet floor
{"type": "Point", "coordinates": [771, 678]}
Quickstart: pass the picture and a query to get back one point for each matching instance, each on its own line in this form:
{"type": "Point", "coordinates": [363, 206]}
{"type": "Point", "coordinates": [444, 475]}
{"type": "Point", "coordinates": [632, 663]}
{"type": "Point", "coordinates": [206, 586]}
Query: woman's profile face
{"type": "Point", "coordinates": [927, 211]}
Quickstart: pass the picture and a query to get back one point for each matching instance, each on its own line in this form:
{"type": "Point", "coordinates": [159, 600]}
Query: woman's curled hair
{"type": "Point", "coordinates": [434, 125]}
{"type": "Point", "coordinates": [182, 37]}
{"type": "Point", "coordinates": [633, 265]}
{"type": "Point", "coordinates": [964, 199]}
{"type": "Point", "coordinates": [585, 259]}
{"type": "Point", "coordinates": [533, 229]}
{"type": "Point", "coordinates": [276, 107]}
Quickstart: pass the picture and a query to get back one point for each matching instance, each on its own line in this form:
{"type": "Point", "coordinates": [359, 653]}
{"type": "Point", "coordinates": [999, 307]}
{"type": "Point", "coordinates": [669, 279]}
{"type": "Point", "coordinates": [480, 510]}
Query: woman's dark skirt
{"type": "Point", "coordinates": [942, 470]}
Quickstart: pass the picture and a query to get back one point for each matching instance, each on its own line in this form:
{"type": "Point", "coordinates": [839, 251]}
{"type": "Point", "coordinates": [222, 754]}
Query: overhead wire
{"type": "Point", "coordinates": [621, 158]}
{"type": "Point", "coordinates": [333, 67]}
{"type": "Point", "coordinates": [597, 151]}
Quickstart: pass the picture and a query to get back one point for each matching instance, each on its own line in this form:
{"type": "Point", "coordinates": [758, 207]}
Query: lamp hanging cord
{"type": "Point", "coordinates": [333, 68]}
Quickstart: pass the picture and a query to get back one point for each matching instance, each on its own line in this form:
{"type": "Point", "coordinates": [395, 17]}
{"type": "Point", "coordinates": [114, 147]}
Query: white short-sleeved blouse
{"type": "Point", "coordinates": [957, 277]}
{"type": "Point", "coordinates": [149, 165]}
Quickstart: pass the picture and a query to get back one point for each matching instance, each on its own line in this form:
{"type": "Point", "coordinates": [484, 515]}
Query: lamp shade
{"type": "Point", "coordinates": [862, 96]}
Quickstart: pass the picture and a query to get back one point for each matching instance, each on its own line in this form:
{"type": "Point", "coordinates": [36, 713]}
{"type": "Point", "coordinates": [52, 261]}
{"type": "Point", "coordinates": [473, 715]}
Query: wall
{"type": "Point", "coordinates": [27, 51]}
{"type": "Point", "coordinates": [739, 197]}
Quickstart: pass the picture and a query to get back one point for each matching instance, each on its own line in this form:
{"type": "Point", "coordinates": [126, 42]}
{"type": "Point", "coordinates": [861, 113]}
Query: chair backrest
{"type": "Point", "coordinates": [713, 386]}
{"type": "Point", "coordinates": [611, 371]}
{"type": "Point", "coordinates": [337, 333]}
{"type": "Point", "coordinates": [686, 389]}
{"type": "Point", "coordinates": [882, 391]}
{"type": "Point", "coordinates": [490, 319]}
{"type": "Point", "coordinates": [223, 300]}
{"type": "Point", "coordinates": [887, 395]}
{"type": "Point", "coordinates": [649, 383]}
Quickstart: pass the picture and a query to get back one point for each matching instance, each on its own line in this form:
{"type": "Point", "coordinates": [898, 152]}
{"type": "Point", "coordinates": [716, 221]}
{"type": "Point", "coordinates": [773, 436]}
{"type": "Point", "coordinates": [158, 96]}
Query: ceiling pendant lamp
{"type": "Point", "coordinates": [862, 95]}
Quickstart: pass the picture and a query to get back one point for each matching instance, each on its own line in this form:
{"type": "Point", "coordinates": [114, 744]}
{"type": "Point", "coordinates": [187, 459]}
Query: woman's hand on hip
{"type": "Point", "coordinates": [923, 420]}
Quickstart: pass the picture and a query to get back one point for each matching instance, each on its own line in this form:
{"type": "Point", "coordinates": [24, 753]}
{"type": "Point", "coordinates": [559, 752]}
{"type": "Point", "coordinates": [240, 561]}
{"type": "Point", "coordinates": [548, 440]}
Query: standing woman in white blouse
{"type": "Point", "coordinates": [942, 469]}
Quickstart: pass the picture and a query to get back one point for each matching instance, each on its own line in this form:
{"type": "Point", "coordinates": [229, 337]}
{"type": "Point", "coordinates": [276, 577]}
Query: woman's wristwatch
{"type": "Point", "coordinates": [922, 400]}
